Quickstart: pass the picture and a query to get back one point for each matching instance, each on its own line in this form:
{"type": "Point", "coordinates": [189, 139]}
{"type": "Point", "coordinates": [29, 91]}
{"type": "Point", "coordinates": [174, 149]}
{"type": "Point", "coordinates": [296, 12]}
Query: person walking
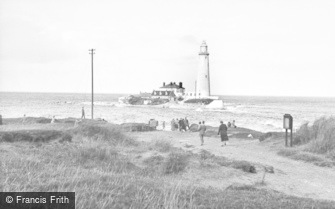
{"type": "Point", "coordinates": [223, 133]}
{"type": "Point", "coordinates": [180, 124]}
{"type": "Point", "coordinates": [183, 125]}
{"type": "Point", "coordinates": [187, 124]}
{"type": "Point", "coordinates": [53, 119]}
{"type": "Point", "coordinates": [233, 124]}
{"type": "Point", "coordinates": [173, 125]}
{"type": "Point", "coordinates": [202, 131]}
{"type": "Point", "coordinates": [82, 113]}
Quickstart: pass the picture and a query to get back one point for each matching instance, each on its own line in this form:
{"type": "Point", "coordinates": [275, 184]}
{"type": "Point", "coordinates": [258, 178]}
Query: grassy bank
{"type": "Point", "coordinates": [314, 143]}
{"type": "Point", "coordinates": [108, 169]}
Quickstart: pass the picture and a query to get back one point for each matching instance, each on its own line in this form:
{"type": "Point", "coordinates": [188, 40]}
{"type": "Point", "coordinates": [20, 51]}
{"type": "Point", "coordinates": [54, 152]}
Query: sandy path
{"type": "Point", "coordinates": [290, 177]}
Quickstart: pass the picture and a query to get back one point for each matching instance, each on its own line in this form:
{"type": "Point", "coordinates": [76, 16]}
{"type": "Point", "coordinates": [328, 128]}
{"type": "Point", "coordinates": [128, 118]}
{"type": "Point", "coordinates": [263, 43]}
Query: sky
{"type": "Point", "coordinates": [257, 47]}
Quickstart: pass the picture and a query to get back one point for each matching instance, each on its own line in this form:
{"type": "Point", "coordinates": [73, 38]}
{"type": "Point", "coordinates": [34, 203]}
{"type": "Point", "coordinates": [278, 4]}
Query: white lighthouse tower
{"type": "Point", "coordinates": [203, 82]}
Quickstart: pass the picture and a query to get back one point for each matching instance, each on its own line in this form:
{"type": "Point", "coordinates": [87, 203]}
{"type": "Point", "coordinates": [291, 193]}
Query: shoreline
{"type": "Point", "coordinates": [45, 120]}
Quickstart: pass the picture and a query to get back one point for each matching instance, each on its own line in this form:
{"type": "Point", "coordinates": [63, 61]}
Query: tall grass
{"type": "Point", "coordinates": [320, 136]}
{"type": "Point", "coordinates": [105, 176]}
{"type": "Point", "coordinates": [162, 145]}
{"type": "Point", "coordinates": [175, 162]}
{"type": "Point", "coordinates": [110, 133]}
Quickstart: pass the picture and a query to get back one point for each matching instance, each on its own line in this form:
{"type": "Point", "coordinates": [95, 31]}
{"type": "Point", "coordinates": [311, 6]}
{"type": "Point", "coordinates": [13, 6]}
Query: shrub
{"type": "Point", "coordinates": [175, 162]}
{"type": "Point", "coordinates": [204, 155]}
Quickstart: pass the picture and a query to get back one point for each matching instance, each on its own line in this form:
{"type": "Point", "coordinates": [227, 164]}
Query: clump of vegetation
{"type": "Point", "coordinates": [208, 159]}
{"type": "Point", "coordinates": [34, 136]}
{"type": "Point", "coordinates": [320, 135]}
{"type": "Point", "coordinates": [176, 162]}
{"type": "Point", "coordinates": [204, 155]}
{"type": "Point", "coordinates": [162, 145]}
{"type": "Point", "coordinates": [105, 132]}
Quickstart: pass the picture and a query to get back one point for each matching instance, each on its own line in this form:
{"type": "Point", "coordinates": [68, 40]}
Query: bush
{"type": "Point", "coordinates": [175, 162]}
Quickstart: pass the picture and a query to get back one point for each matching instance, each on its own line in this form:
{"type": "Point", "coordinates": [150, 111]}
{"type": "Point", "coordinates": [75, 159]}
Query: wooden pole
{"type": "Point", "coordinates": [291, 138]}
{"type": "Point", "coordinates": [92, 53]}
{"type": "Point", "coordinates": [286, 137]}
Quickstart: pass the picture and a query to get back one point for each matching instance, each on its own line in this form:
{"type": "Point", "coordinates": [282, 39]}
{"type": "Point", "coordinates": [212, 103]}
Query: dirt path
{"type": "Point", "coordinates": [290, 177]}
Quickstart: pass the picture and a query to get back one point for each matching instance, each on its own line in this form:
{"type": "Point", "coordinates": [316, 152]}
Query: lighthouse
{"type": "Point", "coordinates": [203, 81]}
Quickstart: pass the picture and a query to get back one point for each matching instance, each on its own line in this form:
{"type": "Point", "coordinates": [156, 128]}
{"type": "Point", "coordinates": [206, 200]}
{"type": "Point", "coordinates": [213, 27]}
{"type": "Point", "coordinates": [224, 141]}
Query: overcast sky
{"type": "Point", "coordinates": [257, 47]}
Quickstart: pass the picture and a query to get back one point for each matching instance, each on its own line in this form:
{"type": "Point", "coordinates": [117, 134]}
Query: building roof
{"type": "Point", "coordinates": [172, 86]}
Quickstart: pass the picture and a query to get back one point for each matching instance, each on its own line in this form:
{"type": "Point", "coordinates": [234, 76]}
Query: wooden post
{"type": "Point", "coordinates": [286, 137]}
{"type": "Point", "coordinates": [291, 138]}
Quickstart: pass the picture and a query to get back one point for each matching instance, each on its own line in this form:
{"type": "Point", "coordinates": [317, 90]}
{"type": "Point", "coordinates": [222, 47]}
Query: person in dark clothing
{"type": "Point", "coordinates": [229, 124]}
{"type": "Point", "coordinates": [82, 113]}
{"type": "Point", "coordinates": [223, 133]}
{"type": "Point", "coordinates": [183, 124]}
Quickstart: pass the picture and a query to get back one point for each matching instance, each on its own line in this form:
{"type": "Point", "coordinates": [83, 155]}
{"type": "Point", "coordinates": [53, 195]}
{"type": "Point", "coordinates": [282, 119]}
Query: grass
{"type": "Point", "coordinates": [162, 145]}
{"type": "Point", "coordinates": [315, 143]}
{"type": "Point", "coordinates": [208, 159]}
{"type": "Point", "coordinates": [105, 132]}
{"type": "Point", "coordinates": [99, 167]}
{"type": "Point", "coordinates": [320, 135]}
{"type": "Point", "coordinates": [176, 162]}
{"type": "Point", "coordinates": [297, 154]}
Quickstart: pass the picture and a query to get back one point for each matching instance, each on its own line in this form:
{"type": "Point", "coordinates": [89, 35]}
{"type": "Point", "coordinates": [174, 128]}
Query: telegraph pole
{"type": "Point", "coordinates": [92, 53]}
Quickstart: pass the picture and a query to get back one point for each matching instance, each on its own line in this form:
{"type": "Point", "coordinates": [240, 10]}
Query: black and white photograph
{"type": "Point", "coordinates": [167, 104]}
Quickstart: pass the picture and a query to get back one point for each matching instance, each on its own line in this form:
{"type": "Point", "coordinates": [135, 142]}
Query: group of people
{"type": "Point", "coordinates": [229, 124]}
{"type": "Point", "coordinates": [222, 131]}
{"type": "Point", "coordinates": [181, 124]}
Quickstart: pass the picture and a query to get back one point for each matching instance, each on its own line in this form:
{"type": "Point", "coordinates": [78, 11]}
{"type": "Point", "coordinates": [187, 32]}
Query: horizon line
{"type": "Point", "coordinates": [37, 92]}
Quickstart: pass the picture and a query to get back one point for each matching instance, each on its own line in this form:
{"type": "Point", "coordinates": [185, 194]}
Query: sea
{"type": "Point", "coordinates": [255, 112]}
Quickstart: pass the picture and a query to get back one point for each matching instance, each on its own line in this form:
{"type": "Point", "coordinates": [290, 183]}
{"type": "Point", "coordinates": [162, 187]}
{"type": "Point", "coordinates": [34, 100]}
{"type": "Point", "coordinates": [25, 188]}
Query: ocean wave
{"type": "Point", "coordinates": [98, 103]}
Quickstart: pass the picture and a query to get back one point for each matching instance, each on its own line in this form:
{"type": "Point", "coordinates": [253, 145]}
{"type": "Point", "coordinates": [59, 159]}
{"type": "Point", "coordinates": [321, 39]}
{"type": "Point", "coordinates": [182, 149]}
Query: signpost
{"type": "Point", "coordinates": [288, 124]}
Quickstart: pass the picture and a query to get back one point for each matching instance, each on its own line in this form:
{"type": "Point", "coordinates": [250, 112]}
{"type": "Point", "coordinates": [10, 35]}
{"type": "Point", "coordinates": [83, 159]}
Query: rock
{"type": "Point", "coordinates": [194, 127]}
{"type": "Point", "coordinates": [269, 169]}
